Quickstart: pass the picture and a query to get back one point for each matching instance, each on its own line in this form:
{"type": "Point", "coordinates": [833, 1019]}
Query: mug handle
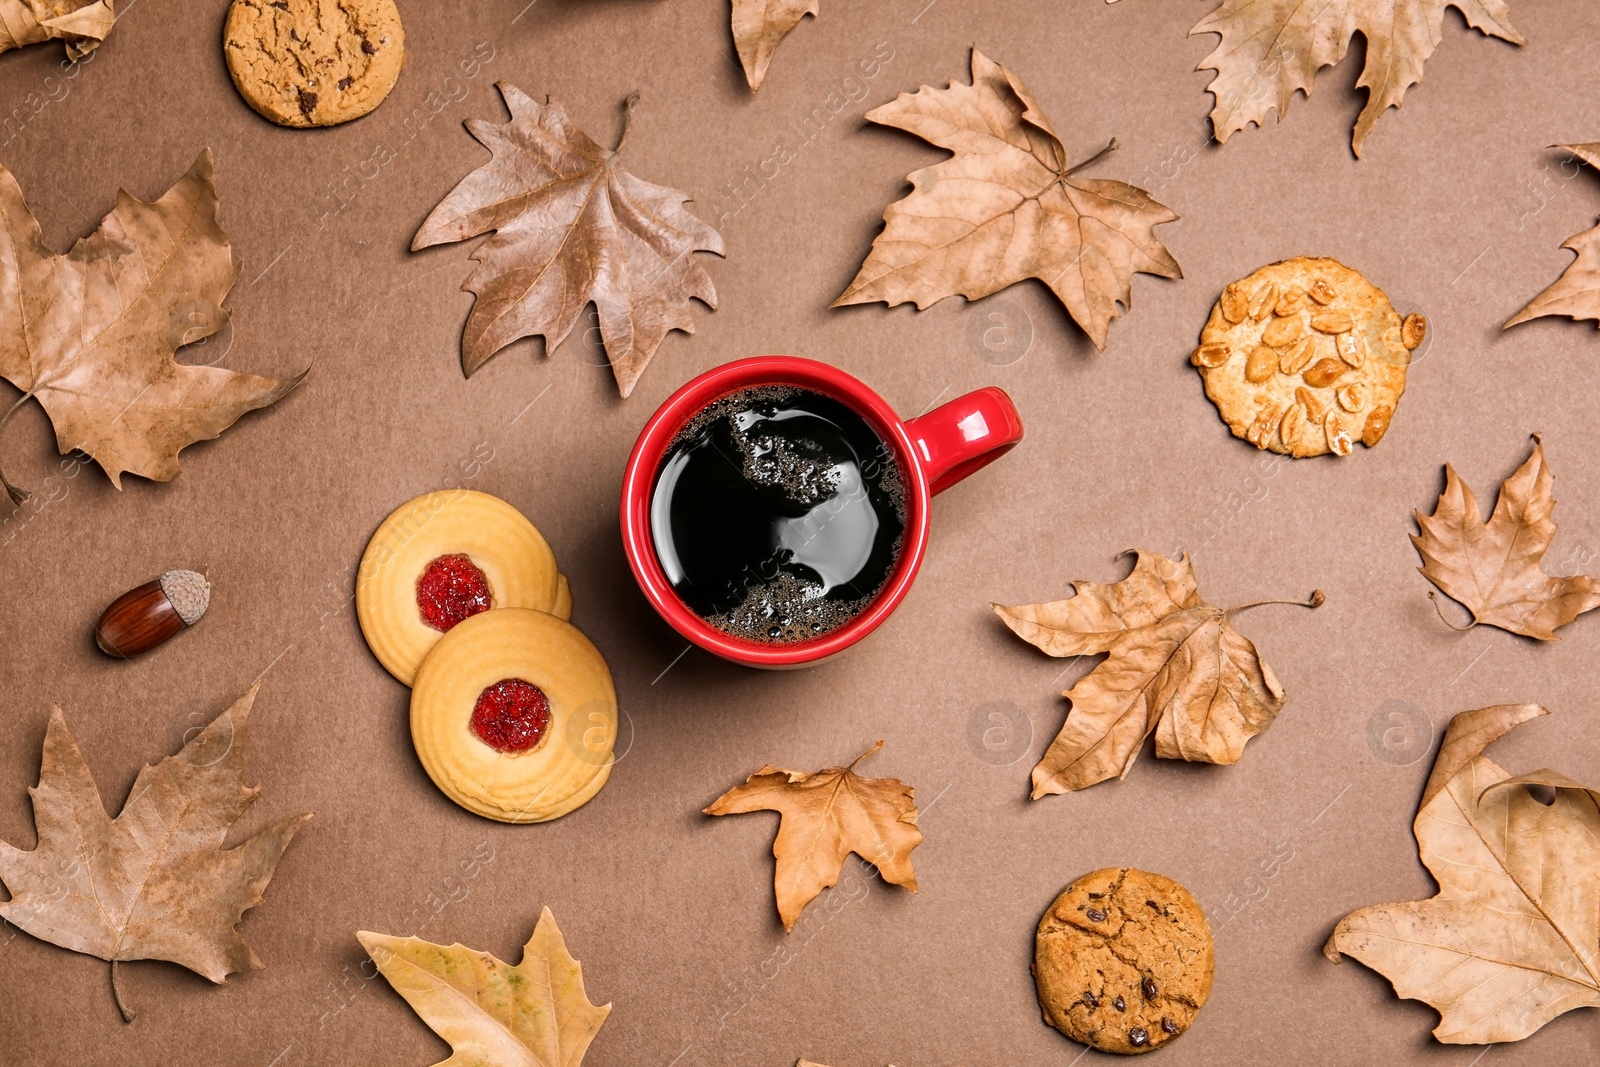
{"type": "Point", "coordinates": [970, 432]}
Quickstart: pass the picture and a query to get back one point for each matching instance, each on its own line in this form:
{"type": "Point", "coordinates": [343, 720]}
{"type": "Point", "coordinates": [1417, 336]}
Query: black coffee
{"type": "Point", "coordinates": [777, 514]}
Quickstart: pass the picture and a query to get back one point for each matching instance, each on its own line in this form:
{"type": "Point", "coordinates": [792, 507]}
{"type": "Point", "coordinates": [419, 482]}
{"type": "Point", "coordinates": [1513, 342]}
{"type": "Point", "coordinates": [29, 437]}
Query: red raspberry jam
{"type": "Point", "coordinates": [511, 715]}
{"type": "Point", "coordinates": [451, 589]}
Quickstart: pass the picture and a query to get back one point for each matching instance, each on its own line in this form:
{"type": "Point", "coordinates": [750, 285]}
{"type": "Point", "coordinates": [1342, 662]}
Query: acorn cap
{"type": "Point", "coordinates": [189, 593]}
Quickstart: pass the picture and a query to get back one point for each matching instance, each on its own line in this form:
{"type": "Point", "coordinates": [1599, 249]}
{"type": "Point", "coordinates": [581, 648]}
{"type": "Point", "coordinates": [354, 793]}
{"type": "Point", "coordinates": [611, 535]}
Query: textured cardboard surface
{"type": "Point", "coordinates": [1458, 210]}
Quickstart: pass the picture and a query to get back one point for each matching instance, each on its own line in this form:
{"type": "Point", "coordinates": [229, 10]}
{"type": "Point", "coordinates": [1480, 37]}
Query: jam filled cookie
{"type": "Point", "coordinates": [1306, 357]}
{"type": "Point", "coordinates": [1123, 960]}
{"type": "Point", "coordinates": [313, 62]}
{"type": "Point", "coordinates": [514, 716]}
{"type": "Point", "coordinates": [443, 558]}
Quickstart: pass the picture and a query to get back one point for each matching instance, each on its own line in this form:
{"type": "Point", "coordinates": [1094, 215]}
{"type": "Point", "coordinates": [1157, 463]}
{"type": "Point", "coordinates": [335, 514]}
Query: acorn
{"type": "Point", "coordinates": [143, 618]}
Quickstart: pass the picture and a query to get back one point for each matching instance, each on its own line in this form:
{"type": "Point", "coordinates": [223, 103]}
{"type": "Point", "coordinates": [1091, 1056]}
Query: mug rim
{"type": "Point", "coordinates": [644, 463]}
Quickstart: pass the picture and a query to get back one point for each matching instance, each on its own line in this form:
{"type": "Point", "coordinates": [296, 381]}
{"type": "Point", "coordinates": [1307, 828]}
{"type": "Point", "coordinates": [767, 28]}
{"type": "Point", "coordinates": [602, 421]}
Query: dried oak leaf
{"type": "Point", "coordinates": [1494, 568]}
{"type": "Point", "coordinates": [758, 26]}
{"type": "Point", "coordinates": [78, 24]}
{"type": "Point", "coordinates": [1177, 668]}
{"type": "Point", "coordinates": [154, 883]}
{"type": "Point", "coordinates": [1006, 207]}
{"type": "Point", "coordinates": [570, 227]}
{"type": "Point", "coordinates": [92, 334]}
{"type": "Point", "coordinates": [826, 816]}
{"type": "Point", "coordinates": [1512, 939]}
{"type": "Point", "coordinates": [535, 1014]}
{"type": "Point", "coordinates": [1576, 294]}
{"type": "Point", "coordinates": [1272, 48]}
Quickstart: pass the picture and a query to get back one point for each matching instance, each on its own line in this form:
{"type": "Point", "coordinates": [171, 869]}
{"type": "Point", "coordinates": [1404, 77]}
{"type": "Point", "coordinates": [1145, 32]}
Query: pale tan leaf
{"type": "Point", "coordinates": [1271, 49]}
{"type": "Point", "coordinates": [1494, 568]}
{"type": "Point", "coordinates": [571, 227]}
{"type": "Point", "coordinates": [92, 334]}
{"type": "Point", "coordinates": [535, 1014]}
{"type": "Point", "coordinates": [1006, 207]}
{"type": "Point", "coordinates": [79, 24]}
{"type": "Point", "coordinates": [155, 882]}
{"type": "Point", "coordinates": [1176, 669]}
{"type": "Point", "coordinates": [758, 26]}
{"type": "Point", "coordinates": [1512, 939]}
{"type": "Point", "coordinates": [827, 815]}
{"type": "Point", "coordinates": [1576, 294]}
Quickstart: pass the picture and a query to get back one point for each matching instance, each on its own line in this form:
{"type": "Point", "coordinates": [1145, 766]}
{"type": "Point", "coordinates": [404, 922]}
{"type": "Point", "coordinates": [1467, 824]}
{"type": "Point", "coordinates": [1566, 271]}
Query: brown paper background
{"type": "Point", "coordinates": [1459, 211]}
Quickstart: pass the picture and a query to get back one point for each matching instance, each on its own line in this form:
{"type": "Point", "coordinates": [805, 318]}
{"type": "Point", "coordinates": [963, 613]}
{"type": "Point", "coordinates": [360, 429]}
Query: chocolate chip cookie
{"type": "Point", "coordinates": [1123, 960]}
{"type": "Point", "coordinates": [314, 62]}
{"type": "Point", "coordinates": [1306, 357]}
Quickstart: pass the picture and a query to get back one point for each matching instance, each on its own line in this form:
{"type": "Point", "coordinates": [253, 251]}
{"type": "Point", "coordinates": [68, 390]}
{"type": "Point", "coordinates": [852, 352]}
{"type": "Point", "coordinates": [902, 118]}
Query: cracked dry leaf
{"type": "Point", "coordinates": [826, 816]}
{"type": "Point", "coordinates": [1494, 569]}
{"type": "Point", "coordinates": [535, 1014]}
{"type": "Point", "coordinates": [570, 227]}
{"type": "Point", "coordinates": [1512, 939]}
{"type": "Point", "coordinates": [1006, 207]}
{"type": "Point", "coordinates": [758, 27]}
{"type": "Point", "coordinates": [92, 334]}
{"type": "Point", "coordinates": [1272, 48]}
{"type": "Point", "coordinates": [78, 24]}
{"type": "Point", "coordinates": [154, 883]}
{"type": "Point", "coordinates": [1176, 669]}
{"type": "Point", "coordinates": [1576, 294]}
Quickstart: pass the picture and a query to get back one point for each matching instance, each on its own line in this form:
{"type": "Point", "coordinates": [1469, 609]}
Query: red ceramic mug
{"type": "Point", "coordinates": [933, 451]}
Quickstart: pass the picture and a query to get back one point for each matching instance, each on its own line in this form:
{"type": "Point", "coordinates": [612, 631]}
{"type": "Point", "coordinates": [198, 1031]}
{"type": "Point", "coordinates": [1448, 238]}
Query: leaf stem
{"type": "Point", "coordinates": [128, 1014]}
{"type": "Point", "coordinates": [1111, 146]}
{"type": "Point", "coordinates": [627, 119]}
{"type": "Point", "coordinates": [17, 494]}
{"type": "Point", "coordinates": [864, 755]}
{"type": "Point", "coordinates": [1314, 601]}
{"type": "Point", "coordinates": [1458, 629]}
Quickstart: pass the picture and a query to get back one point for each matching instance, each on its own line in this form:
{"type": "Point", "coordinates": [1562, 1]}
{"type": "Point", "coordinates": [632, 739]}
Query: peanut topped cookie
{"type": "Point", "coordinates": [1123, 960]}
{"type": "Point", "coordinates": [1306, 357]}
{"type": "Point", "coordinates": [314, 62]}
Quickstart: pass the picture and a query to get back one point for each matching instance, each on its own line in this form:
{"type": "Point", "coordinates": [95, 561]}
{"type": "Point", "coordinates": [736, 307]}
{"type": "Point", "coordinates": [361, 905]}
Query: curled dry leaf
{"type": "Point", "coordinates": [826, 816]}
{"type": "Point", "coordinates": [1270, 49]}
{"type": "Point", "coordinates": [78, 24]}
{"type": "Point", "coordinates": [1494, 568]}
{"type": "Point", "coordinates": [535, 1014]}
{"type": "Point", "coordinates": [1576, 294]}
{"type": "Point", "coordinates": [92, 334]}
{"type": "Point", "coordinates": [1512, 939]}
{"type": "Point", "coordinates": [758, 27]}
{"type": "Point", "coordinates": [1176, 669]}
{"type": "Point", "coordinates": [154, 883]}
{"type": "Point", "coordinates": [1007, 207]}
{"type": "Point", "coordinates": [571, 227]}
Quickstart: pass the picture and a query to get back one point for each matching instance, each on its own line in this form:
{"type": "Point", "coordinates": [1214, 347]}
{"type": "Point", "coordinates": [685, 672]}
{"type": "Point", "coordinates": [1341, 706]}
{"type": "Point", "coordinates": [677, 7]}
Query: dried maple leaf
{"type": "Point", "coordinates": [1272, 48]}
{"type": "Point", "coordinates": [1493, 568]}
{"type": "Point", "coordinates": [826, 816]}
{"type": "Point", "coordinates": [758, 26]}
{"type": "Point", "coordinates": [154, 883]}
{"type": "Point", "coordinates": [1576, 294]}
{"type": "Point", "coordinates": [571, 227]}
{"type": "Point", "coordinates": [1512, 939]}
{"type": "Point", "coordinates": [1177, 668]}
{"type": "Point", "coordinates": [78, 24]}
{"type": "Point", "coordinates": [535, 1014]}
{"type": "Point", "coordinates": [1006, 208]}
{"type": "Point", "coordinates": [92, 334]}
